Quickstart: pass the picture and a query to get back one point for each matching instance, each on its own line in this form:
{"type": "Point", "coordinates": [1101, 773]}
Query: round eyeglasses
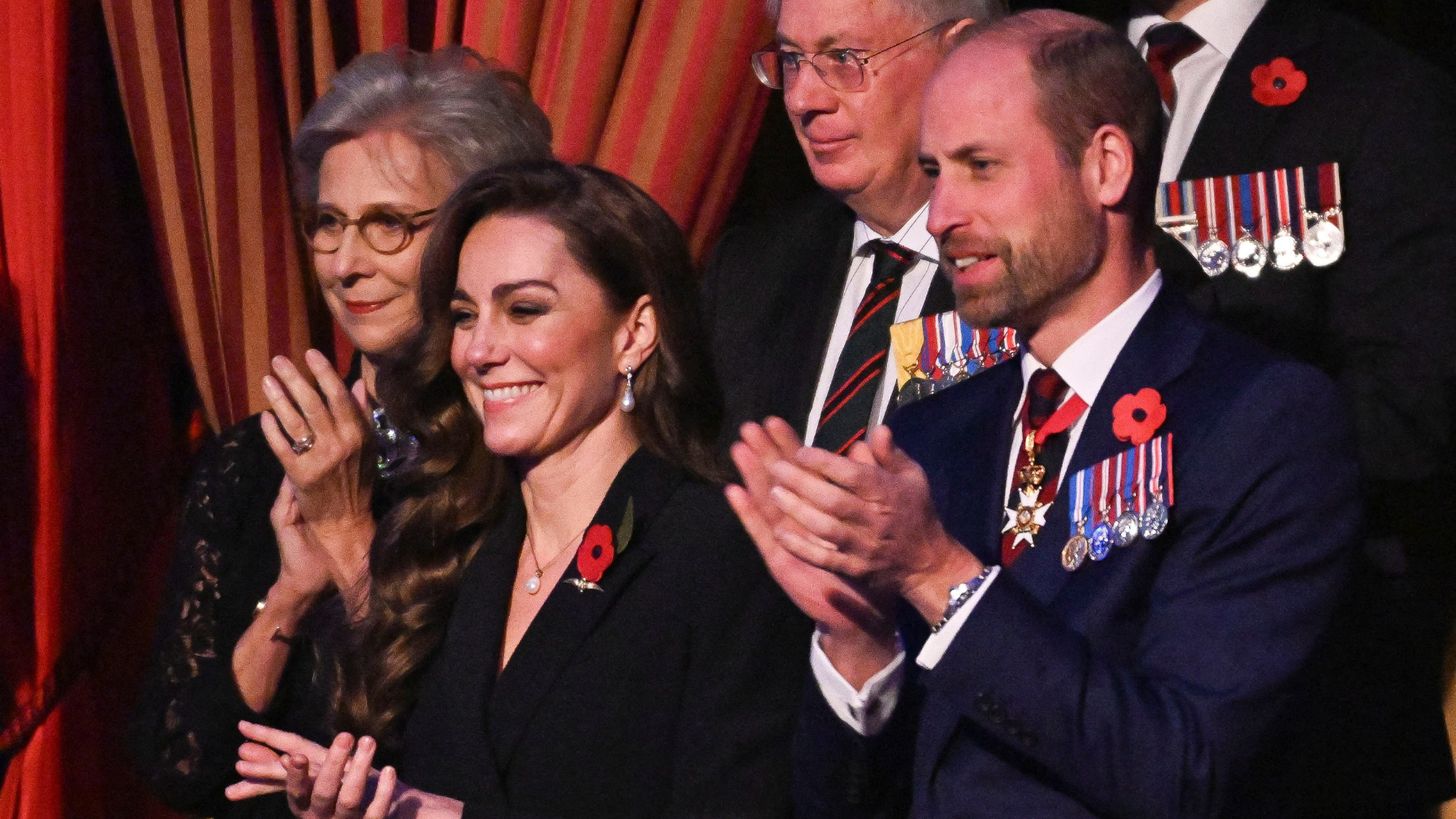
{"type": "Point", "coordinates": [386, 231]}
{"type": "Point", "coordinates": [842, 69]}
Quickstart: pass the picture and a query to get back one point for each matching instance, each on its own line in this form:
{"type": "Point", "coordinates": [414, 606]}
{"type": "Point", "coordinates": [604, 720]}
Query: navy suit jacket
{"type": "Point", "coordinates": [1382, 323]}
{"type": "Point", "coordinates": [1148, 684]}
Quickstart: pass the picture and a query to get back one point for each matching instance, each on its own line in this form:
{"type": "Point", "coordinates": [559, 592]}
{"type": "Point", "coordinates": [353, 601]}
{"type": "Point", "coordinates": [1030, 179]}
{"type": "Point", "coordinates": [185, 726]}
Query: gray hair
{"type": "Point", "coordinates": [934, 11]}
{"type": "Point", "coordinates": [470, 112]}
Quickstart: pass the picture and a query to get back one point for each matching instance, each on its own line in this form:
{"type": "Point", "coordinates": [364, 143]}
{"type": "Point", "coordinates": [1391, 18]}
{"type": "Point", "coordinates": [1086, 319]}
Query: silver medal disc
{"type": "Point", "coordinates": [1286, 250]}
{"type": "Point", "coordinates": [1126, 528]}
{"type": "Point", "coordinates": [1155, 518]}
{"type": "Point", "coordinates": [1074, 554]}
{"type": "Point", "coordinates": [1250, 256]}
{"type": "Point", "coordinates": [1099, 546]}
{"type": "Point", "coordinates": [1324, 242]}
{"type": "Point", "coordinates": [1213, 255]}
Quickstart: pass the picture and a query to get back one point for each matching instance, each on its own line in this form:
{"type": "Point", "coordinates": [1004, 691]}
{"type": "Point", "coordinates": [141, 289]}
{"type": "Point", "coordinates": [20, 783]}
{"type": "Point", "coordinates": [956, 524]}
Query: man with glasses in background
{"type": "Point", "coordinates": [799, 301]}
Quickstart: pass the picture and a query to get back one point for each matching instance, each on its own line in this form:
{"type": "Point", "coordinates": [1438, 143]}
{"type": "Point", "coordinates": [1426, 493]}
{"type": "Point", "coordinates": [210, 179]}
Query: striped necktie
{"type": "Point", "coordinates": [851, 400]}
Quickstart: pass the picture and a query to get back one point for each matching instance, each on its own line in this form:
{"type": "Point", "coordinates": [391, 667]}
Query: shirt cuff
{"type": "Point", "coordinates": [937, 643]}
{"type": "Point", "coordinates": [868, 709]}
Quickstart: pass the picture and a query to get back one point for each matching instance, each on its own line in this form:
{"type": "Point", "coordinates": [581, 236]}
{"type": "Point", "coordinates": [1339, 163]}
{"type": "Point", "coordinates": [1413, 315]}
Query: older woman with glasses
{"type": "Point", "coordinates": [280, 510]}
{"type": "Point", "coordinates": [616, 647]}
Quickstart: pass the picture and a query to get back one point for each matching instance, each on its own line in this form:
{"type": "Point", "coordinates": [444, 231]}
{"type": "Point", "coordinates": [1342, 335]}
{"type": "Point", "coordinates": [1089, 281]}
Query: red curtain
{"type": "Point", "coordinates": [91, 464]}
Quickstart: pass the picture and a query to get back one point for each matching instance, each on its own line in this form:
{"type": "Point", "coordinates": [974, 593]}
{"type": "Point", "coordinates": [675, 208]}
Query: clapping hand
{"type": "Point", "coordinates": [836, 603]}
{"type": "Point", "coordinates": [321, 437]}
{"type": "Point", "coordinates": [337, 781]}
{"type": "Point", "coordinates": [867, 516]}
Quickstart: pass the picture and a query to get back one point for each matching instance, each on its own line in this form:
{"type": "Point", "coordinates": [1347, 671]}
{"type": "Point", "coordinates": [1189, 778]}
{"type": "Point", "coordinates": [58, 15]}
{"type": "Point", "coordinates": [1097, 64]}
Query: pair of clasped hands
{"type": "Point", "coordinates": [323, 524]}
{"type": "Point", "coordinates": [844, 536]}
{"type": "Point", "coordinates": [329, 783]}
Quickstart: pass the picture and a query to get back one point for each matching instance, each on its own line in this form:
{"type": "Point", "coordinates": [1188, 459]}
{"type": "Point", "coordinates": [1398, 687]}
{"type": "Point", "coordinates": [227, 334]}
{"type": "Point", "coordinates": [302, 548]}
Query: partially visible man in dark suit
{"type": "Point", "coordinates": [1381, 321]}
{"type": "Point", "coordinates": [1103, 644]}
{"type": "Point", "coordinates": [799, 301]}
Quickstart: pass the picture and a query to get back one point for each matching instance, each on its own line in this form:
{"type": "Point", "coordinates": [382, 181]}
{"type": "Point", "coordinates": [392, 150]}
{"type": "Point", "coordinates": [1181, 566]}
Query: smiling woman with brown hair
{"type": "Point", "coordinates": [616, 647]}
{"type": "Point", "coordinates": [373, 158]}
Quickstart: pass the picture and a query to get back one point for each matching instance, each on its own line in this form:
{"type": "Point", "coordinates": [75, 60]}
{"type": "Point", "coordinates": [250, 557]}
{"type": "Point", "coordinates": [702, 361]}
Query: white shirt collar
{"type": "Point", "coordinates": [1085, 364]}
{"type": "Point", "coordinates": [1221, 23]}
{"type": "Point", "coordinates": [913, 235]}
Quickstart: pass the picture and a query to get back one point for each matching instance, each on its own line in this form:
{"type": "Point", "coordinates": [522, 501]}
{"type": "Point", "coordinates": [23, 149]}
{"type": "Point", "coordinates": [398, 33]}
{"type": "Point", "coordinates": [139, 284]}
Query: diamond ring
{"type": "Point", "coordinates": [303, 444]}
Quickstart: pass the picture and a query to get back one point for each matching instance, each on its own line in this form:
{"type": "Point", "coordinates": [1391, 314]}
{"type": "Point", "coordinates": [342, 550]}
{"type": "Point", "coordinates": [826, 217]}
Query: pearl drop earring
{"type": "Point", "coordinates": [629, 398]}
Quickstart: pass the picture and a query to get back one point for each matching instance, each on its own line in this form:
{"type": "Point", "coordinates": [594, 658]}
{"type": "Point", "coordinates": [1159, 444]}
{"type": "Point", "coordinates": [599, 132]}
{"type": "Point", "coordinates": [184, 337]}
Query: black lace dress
{"type": "Point", "coordinates": [184, 737]}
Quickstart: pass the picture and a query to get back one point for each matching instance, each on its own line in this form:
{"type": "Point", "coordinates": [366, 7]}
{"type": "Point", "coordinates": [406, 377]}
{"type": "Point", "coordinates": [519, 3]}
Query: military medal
{"type": "Point", "coordinates": [1176, 214]}
{"type": "Point", "coordinates": [1125, 523]}
{"type": "Point", "coordinates": [1074, 554]}
{"type": "Point", "coordinates": [938, 351]}
{"type": "Point", "coordinates": [1155, 512]}
{"type": "Point", "coordinates": [914, 389]}
{"type": "Point", "coordinates": [1250, 254]}
{"type": "Point", "coordinates": [1324, 241]}
{"type": "Point", "coordinates": [1029, 515]}
{"type": "Point", "coordinates": [1285, 246]}
{"type": "Point", "coordinates": [1099, 543]}
{"type": "Point", "coordinates": [1213, 252]}
{"type": "Point", "coordinates": [1027, 518]}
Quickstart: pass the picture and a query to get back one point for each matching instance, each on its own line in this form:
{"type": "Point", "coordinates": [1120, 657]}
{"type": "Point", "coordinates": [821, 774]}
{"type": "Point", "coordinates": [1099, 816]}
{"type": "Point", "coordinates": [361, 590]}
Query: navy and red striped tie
{"type": "Point", "coordinates": [850, 403]}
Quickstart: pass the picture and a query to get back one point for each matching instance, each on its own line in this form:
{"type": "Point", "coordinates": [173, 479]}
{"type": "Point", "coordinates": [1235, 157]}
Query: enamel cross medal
{"type": "Point", "coordinates": [1029, 515]}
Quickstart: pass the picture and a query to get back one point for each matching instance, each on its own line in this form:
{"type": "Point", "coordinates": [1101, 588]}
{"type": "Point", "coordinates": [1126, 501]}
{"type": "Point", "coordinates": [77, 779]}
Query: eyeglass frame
{"type": "Point", "coordinates": [862, 63]}
{"type": "Point", "coordinates": [411, 227]}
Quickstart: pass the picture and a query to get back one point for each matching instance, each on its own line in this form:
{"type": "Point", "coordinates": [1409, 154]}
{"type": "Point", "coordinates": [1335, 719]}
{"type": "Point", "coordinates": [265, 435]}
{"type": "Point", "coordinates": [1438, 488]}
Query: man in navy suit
{"type": "Point", "coordinates": [1144, 679]}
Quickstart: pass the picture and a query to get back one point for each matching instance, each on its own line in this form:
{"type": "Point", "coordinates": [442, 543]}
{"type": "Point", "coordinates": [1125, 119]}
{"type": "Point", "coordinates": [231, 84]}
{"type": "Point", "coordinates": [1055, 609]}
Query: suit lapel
{"type": "Point", "coordinates": [1159, 350]}
{"type": "Point", "coordinates": [460, 681]}
{"type": "Point", "coordinates": [818, 283]}
{"type": "Point", "coordinates": [1235, 127]}
{"type": "Point", "coordinates": [569, 616]}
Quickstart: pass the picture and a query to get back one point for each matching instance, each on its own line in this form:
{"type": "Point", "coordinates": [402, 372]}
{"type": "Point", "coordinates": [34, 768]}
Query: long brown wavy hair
{"type": "Point", "coordinates": [450, 492]}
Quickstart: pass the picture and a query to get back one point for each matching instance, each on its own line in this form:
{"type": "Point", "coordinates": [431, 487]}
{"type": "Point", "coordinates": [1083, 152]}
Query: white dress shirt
{"type": "Point", "coordinates": [1084, 366]}
{"type": "Point", "coordinates": [1221, 24]}
{"type": "Point", "coordinates": [914, 286]}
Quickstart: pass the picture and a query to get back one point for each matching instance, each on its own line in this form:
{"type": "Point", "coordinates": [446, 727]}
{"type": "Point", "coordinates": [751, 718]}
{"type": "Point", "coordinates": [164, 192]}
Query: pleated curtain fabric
{"type": "Point", "coordinates": [92, 464]}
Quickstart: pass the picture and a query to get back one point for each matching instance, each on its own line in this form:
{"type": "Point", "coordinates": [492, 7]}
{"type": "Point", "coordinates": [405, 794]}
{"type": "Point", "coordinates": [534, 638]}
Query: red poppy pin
{"type": "Point", "coordinates": [599, 547]}
{"type": "Point", "coordinates": [1278, 83]}
{"type": "Point", "coordinates": [1137, 416]}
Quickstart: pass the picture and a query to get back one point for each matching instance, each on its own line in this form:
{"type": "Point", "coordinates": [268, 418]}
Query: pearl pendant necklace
{"type": "Point", "coordinates": [532, 584]}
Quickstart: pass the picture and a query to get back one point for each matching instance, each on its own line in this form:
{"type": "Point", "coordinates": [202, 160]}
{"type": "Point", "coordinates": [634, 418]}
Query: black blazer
{"type": "Point", "coordinates": [671, 692]}
{"type": "Point", "coordinates": [1148, 684]}
{"type": "Point", "coordinates": [1382, 323]}
{"type": "Point", "coordinates": [771, 291]}
{"type": "Point", "coordinates": [1382, 320]}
